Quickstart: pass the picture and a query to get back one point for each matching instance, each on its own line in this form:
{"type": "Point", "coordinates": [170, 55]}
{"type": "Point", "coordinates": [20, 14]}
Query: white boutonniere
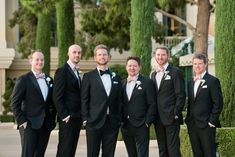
{"type": "Point", "coordinates": [138, 83]}
{"type": "Point", "coordinates": [166, 75]}
{"type": "Point", "coordinates": [48, 79]}
{"type": "Point", "coordinates": [202, 82]}
{"type": "Point", "coordinates": [166, 72]}
{"type": "Point", "coordinates": [113, 74]}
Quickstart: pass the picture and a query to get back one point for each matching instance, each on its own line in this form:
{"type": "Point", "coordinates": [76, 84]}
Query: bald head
{"type": "Point", "coordinates": [75, 53]}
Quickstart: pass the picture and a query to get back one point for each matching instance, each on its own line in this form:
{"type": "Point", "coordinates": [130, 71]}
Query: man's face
{"type": "Point", "coordinates": [132, 68]}
{"type": "Point", "coordinates": [199, 66]}
{"type": "Point", "coordinates": [75, 54]}
{"type": "Point", "coordinates": [101, 57]}
{"type": "Point", "coordinates": [37, 61]}
{"type": "Point", "coordinates": [161, 57]}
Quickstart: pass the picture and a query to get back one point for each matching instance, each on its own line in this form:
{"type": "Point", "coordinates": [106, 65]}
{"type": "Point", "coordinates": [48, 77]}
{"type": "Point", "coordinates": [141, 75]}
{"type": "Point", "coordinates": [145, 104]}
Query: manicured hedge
{"type": "Point", "coordinates": [225, 138]}
{"type": "Point", "coordinates": [7, 118]}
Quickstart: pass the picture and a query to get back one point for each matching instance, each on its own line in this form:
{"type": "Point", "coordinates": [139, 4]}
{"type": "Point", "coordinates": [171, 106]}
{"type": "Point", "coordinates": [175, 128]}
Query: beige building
{"type": "Point", "coordinates": [11, 64]}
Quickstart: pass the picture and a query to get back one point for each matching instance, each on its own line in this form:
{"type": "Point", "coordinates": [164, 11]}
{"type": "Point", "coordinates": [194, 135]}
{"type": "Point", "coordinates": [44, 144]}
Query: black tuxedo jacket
{"type": "Point", "coordinates": [141, 108]}
{"type": "Point", "coordinates": [28, 104]}
{"type": "Point", "coordinates": [208, 103]}
{"type": "Point", "coordinates": [66, 94]}
{"type": "Point", "coordinates": [170, 95]}
{"type": "Point", "coordinates": [95, 101]}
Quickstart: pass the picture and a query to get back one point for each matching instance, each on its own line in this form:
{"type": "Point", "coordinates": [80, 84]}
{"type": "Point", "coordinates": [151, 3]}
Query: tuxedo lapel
{"type": "Point", "coordinates": [135, 88]}
{"type": "Point", "coordinates": [153, 77]}
{"type": "Point", "coordinates": [201, 84]}
{"type": "Point", "coordinates": [97, 76]}
{"type": "Point", "coordinates": [35, 83]}
{"type": "Point", "coordinates": [71, 71]}
{"type": "Point", "coordinates": [124, 90]}
{"type": "Point", "coordinates": [164, 76]}
{"type": "Point", "coordinates": [48, 88]}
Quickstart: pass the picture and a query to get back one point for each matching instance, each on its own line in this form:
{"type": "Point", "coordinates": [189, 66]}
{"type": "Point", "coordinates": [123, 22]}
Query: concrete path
{"type": "Point", "coordinates": [10, 144]}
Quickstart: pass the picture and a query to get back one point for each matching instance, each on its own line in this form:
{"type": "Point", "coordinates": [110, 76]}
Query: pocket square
{"type": "Point", "coordinates": [139, 88]}
{"type": "Point", "coordinates": [51, 85]}
{"type": "Point", "coordinates": [115, 82]}
{"type": "Point", "coordinates": [205, 86]}
{"type": "Point", "coordinates": [168, 77]}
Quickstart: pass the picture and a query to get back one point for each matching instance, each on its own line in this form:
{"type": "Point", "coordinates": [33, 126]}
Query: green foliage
{"type": "Point", "coordinates": [27, 22]}
{"type": "Point", "coordinates": [168, 4]}
{"type": "Point", "coordinates": [65, 27]}
{"type": "Point", "coordinates": [225, 139]}
{"type": "Point", "coordinates": [225, 57]}
{"type": "Point", "coordinates": [7, 95]}
{"type": "Point", "coordinates": [141, 31]}
{"type": "Point", "coordinates": [7, 118]}
{"type": "Point", "coordinates": [107, 23]}
{"type": "Point", "coordinates": [120, 70]}
{"type": "Point", "coordinates": [39, 6]}
{"type": "Point", "coordinates": [43, 37]}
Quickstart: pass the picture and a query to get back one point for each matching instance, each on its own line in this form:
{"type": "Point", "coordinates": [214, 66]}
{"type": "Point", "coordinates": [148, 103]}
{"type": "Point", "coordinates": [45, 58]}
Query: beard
{"type": "Point", "coordinates": [102, 63]}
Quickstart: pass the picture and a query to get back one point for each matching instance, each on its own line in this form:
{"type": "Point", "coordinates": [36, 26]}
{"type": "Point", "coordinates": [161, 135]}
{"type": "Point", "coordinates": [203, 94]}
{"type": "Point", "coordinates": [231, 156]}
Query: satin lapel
{"type": "Point", "coordinates": [200, 85]}
{"type": "Point", "coordinates": [35, 83]}
{"type": "Point", "coordinates": [153, 77]}
{"type": "Point", "coordinates": [191, 87]}
{"type": "Point", "coordinates": [124, 90]}
{"type": "Point", "coordinates": [97, 76]}
{"type": "Point", "coordinates": [48, 88]}
{"type": "Point", "coordinates": [164, 76]}
{"type": "Point", "coordinates": [135, 88]}
{"type": "Point", "coordinates": [71, 71]}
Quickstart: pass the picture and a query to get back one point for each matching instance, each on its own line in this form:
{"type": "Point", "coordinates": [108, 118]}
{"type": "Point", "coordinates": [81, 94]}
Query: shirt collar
{"type": "Point", "coordinates": [72, 65]}
{"type": "Point", "coordinates": [34, 72]}
{"type": "Point", "coordinates": [165, 66]}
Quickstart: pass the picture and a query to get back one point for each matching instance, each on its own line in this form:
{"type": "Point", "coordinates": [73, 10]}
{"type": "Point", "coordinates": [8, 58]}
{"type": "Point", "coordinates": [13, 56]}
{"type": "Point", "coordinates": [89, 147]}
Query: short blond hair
{"type": "Point", "coordinates": [101, 46]}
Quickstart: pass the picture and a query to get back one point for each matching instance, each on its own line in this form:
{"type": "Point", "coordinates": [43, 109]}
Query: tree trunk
{"type": "Point", "coordinates": [65, 27]}
{"type": "Point", "coordinates": [201, 34]}
{"type": "Point", "coordinates": [225, 57]}
{"type": "Point", "coordinates": [142, 13]}
{"type": "Point", "coordinates": [43, 37]}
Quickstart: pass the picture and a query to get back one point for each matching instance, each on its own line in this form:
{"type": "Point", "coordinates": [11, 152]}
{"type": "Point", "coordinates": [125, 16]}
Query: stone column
{"type": "Point", "coordinates": [6, 54]}
{"type": "Point", "coordinates": [3, 23]}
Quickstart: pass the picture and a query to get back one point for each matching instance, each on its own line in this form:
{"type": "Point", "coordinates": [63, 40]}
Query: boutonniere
{"type": "Point", "coordinates": [166, 73]}
{"type": "Point", "coordinates": [48, 79]}
{"type": "Point", "coordinates": [113, 74]}
{"type": "Point", "coordinates": [202, 82]}
{"type": "Point", "coordinates": [138, 83]}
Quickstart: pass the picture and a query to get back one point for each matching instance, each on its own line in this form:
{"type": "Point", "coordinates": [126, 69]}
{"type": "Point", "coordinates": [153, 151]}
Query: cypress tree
{"type": "Point", "coordinates": [65, 27]}
{"type": "Point", "coordinates": [142, 13]}
{"type": "Point", "coordinates": [43, 37]}
{"type": "Point", "coordinates": [225, 57]}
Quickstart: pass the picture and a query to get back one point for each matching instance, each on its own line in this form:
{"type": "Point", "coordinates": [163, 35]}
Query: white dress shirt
{"type": "Point", "coordinates": [107, 82]}
{"type": "Point", "coordinates": [43, 86]}
{"type": "Point", "coordinates": [130, 85]}
{"type": "Point", "coordinates": [160, 74]}
{"type": "Point", "coordinates": [197, 83]}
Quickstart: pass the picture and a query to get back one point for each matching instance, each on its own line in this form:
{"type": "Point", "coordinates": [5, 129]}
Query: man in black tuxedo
{"type": "Point", "coordinates": [170, 93]}
{"type": "Point", "coordinates": [101, 108]}
{"type": "Point", "coordinates": [67, 100]}
{"type": "Point", "coordinates": [205, 102]}
{"type": "Point", "coordinates": [139, 109]}
{"type": "Point", "coordinates": [33, 108]}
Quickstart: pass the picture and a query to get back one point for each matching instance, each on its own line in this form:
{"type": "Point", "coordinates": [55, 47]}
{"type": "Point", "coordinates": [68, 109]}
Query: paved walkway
{"type": "Point", "coordinates": [10, 144]}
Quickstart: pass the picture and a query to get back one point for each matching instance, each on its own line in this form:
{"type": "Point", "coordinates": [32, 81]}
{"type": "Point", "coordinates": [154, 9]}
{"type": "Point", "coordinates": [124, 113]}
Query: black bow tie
{"type": "Point", "coordinates": [104, 72]}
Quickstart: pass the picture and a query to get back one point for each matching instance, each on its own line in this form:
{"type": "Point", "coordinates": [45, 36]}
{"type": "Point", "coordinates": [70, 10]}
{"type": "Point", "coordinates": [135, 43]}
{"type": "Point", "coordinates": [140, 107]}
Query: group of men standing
{"type": "Point", "coordinates": [103, 103]}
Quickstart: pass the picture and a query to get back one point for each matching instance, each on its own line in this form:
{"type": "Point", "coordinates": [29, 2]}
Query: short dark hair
{"type": "Point", "coordinates": [101, 46]}
{"type": "Point", "coordinates": [201, 56]}
{"type": "Point", "coordinates": [162, 48]}
{"type": "Point", "coordinates": [137, 59]}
